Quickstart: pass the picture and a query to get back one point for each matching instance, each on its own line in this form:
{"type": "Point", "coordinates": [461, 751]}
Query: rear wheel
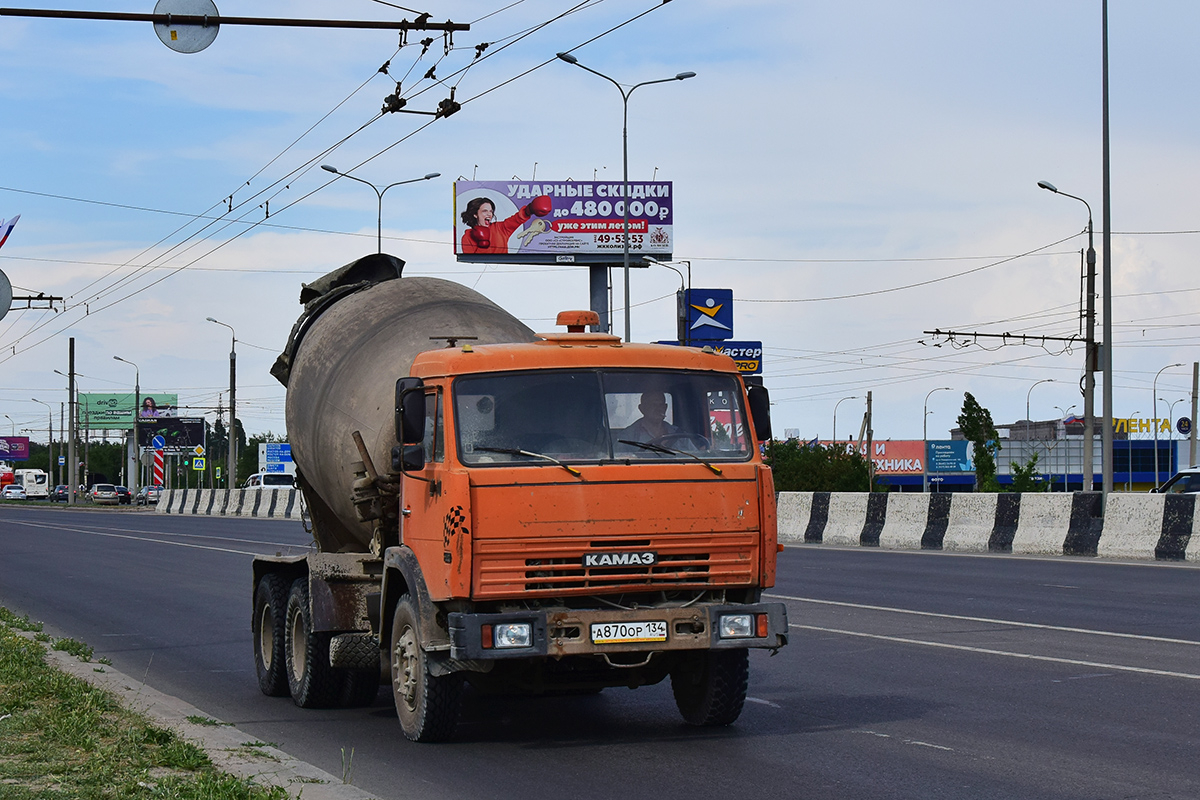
{"type": "Point", "coordinates": [270, 614]}
{"type": "Point", "coordinates": [710, 687]}
{"type": "Point", "coordinates": [311, 681]}
{"type": "Point", "coordinates": [427, 705]}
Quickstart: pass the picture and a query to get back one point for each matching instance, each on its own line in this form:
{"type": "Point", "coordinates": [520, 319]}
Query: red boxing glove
{"type": "Point", "coordinates": [482, 236]}
{"type": "Point", "coordinates": [541, 206]}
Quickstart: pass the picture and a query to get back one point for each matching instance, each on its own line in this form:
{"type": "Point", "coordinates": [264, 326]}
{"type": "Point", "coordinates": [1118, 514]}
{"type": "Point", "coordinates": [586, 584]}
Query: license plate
{"type": "Point", "coordinates": [616, 632]}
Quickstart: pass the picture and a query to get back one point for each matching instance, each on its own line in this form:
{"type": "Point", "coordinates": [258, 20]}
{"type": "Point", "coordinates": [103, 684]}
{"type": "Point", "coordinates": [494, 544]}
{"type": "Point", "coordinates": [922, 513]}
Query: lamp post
{"type": "Point", "coordinates": [1089, 372]}
{"type": "Point", "coordinates": [682, 333]}
{"type": "Point", "coordinates": [1062, 418]}
{"type": "Point", "coordinates": [1154, 418]}
{"type": "Point", "coordinates": [49, 436]}
{"type": "Point", "coordinates": [231, 478]}
{"type": "Point", "coordinates": [835, 408]}
{"type": "Point", "coordinates": [570, 59]}
{"type": "Point", "coordinates": [1027, 439]}
{"type": "Point", "coordinates": [379, 192]}
{"type": "Point", "coordinates": [137, 412]}
{"type": "Point", "coordinates": [925, 439]}
{"type": "Point", "coordinates": [13, 424]}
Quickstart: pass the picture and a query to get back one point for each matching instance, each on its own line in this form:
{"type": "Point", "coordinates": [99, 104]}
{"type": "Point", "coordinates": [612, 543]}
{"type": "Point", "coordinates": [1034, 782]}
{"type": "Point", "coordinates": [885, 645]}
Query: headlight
{"type": "Point", "coordinates": [736, 626]}
{"type": "Point", "coordinates": [512, 634]}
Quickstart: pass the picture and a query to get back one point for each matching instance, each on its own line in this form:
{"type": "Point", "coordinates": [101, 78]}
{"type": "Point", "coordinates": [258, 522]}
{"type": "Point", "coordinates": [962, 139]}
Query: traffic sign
{"type": "Point", "coordinates": [198, 463]}
{"type": "Point", "coordinates": [198, 449]}
{"type": "Point", "coordinates": [158, 442]}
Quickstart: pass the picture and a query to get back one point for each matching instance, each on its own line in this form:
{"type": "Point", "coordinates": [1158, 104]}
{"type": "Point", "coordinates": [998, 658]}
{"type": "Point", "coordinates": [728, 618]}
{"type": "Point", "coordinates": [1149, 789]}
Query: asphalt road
{"type": "Point", "coordinates": [909, 675]}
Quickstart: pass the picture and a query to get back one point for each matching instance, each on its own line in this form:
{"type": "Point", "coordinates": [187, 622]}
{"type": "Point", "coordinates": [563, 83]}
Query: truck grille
{"type": "Point", "coordinates": [555, 567]}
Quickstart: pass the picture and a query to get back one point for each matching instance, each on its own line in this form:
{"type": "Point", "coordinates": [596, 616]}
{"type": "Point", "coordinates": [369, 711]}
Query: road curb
{"type": "Point", "coordinates": [230, 749]}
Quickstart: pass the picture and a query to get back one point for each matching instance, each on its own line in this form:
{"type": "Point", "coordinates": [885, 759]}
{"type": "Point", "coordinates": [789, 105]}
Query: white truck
{"type": "Point", "coordinates": [35, 481]}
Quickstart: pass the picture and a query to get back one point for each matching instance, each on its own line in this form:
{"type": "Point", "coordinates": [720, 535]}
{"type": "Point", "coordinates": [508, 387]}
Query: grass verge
{"type": "Point", "coordinates": [61, 737]}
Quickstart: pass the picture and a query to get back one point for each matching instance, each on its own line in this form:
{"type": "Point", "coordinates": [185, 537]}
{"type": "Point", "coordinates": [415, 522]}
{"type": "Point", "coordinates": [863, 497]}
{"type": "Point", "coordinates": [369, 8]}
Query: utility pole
{"type": "Point", "coordinates": [1195, 397]}
{"type": "Point", "coordinates": [72, 481]}
{"type": "Point", "coordinates": [870, 440]}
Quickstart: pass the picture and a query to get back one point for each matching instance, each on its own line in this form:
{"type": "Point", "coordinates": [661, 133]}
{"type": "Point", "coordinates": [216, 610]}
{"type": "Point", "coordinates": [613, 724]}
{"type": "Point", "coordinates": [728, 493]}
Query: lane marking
{"type": "Point", "coordinates": [1009, 654]}
{"type": "Point", "coordinates": [916, 742]}
{"type": "Point", "coordinates": [144, 539]}
{"type": "Point", "coordinates": [987, 620]}
{"type": "Point", "coordinates": [760, 701]}
{"type": "Point", "coordinates": [163, 533]}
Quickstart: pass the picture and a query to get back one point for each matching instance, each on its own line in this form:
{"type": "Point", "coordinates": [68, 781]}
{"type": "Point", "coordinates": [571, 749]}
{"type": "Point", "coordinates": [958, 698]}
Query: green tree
{"type": "Point", "coordinates": [800, 467]}
{"type": "Point", "coordinates": [1027, 477]}
{"type": "Point", "coordinates": [975, 421]}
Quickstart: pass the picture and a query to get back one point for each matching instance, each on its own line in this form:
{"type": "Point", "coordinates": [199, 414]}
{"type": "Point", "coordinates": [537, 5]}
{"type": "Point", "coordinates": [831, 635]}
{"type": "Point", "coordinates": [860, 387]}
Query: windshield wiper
{"type": "Point", "coordinates": [513, 451]}
{"type": "Point", "coordinates": [658, 448]}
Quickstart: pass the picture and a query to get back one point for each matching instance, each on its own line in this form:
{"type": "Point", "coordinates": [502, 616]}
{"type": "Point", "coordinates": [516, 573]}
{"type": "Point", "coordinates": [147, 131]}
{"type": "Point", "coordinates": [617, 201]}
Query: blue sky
{"type": "Point", "coordinates": [824, 150]}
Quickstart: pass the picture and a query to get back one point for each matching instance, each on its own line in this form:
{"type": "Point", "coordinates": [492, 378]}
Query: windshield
{"type": "Point", "coordinates": [597, 415]}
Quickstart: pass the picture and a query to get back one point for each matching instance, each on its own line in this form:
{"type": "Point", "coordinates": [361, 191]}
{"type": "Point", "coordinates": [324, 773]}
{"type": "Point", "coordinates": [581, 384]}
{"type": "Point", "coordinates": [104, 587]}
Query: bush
{"type": "Point", "coordinates": [802, 467]}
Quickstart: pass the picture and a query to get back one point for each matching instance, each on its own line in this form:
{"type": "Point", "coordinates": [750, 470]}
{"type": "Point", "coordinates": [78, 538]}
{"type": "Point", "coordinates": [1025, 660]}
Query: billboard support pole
{"type": "Point", "coordinates": [598, 292]}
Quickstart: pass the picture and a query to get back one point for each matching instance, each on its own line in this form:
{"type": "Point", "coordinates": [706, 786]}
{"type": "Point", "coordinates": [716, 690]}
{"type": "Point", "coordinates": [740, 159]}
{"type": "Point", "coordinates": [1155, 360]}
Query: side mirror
{"type": "Point", "coordinates": [408, 458]}
{"type": "Point", "coordinates": [410, 410]}
{"type": "Point", "coordinates": [760, 410]}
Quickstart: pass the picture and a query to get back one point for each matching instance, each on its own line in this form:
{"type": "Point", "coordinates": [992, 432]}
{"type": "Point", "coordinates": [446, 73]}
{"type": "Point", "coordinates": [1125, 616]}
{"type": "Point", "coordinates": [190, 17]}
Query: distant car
{"type": "Point", "coordinates": [270, 480]}
{"type": "Point", "coordinates": [124, 496]}
{"type": "Point", "coordinates": [14, 491]}
{"type": "Point", "coordinates": [104, 494]}
{"type": "Point", "coordinates": [148, 495]}
{"type": "Point", "coordinates": [61, 492]}
{"type": "Point", "coordinates": [1186, 481]}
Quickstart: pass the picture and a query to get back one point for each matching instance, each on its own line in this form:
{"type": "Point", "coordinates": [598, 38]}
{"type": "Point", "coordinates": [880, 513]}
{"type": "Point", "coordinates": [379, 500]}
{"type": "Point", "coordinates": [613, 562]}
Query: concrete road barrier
{"type": "Point", "coordinates": [260, 503]}
{"type": "Point", "coordinates": [1149, 526]}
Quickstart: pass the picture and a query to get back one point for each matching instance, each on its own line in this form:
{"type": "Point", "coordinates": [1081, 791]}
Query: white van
{"type": "Point", "coordinates": [270, 480]}
{"type": "Point", "coordinates": [35, 481]}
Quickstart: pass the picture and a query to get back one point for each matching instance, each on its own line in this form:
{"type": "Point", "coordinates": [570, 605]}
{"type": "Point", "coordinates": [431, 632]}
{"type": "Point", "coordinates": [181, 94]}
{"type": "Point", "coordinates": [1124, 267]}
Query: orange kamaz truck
{"type": "Point", "coordinates": [553, 512]}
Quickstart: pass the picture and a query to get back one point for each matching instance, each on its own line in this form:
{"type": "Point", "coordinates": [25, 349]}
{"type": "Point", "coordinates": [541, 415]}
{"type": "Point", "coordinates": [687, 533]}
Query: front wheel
{"type": "Point", "coordinates": [710, 687]}
{"type": "Point", "coordinates": [427, 705]}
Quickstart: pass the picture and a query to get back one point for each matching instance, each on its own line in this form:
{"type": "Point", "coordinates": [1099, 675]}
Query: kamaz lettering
{"type": "Point", "coordinates": [646, 559]}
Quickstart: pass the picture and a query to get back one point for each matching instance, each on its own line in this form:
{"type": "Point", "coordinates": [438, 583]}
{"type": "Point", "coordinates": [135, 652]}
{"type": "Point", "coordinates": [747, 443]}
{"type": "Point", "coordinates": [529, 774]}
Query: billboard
{"type": "Point", "coordinates": [540, 222]}
{"type": "Point", "coordinates": [890, 457]}
{"type": "Point", "coordinates": [949, 455]}
{"type": "Point", "coordinates": [181, 434]}
{"type": "Point", "coordinates": [14, 448]}
{"type": "Point", "coordinates": [115, 411]}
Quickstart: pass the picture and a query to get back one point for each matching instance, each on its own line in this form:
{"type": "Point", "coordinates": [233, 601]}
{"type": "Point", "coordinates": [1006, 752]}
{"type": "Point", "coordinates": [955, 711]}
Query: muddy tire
{"type": "Point", "coordinates": [710, 688]}
{"type": "Point", "coordinates": [311, 681]}
{"type": "Point", "coordinates": [427, 706]}
{"type": "Point", "coordinates": [267, 627]}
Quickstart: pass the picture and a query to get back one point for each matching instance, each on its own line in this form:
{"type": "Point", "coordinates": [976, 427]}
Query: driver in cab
{"type": "Point", "coordinates": [653, 423]}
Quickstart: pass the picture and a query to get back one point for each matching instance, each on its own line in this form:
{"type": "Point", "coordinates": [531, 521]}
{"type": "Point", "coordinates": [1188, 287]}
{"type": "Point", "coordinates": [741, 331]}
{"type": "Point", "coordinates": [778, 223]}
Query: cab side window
{"type": "Point", "coordinates": [434, 439]}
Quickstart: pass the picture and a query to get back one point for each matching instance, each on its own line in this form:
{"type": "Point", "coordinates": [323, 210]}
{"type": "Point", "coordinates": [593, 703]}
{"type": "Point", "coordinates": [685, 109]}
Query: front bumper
{"type": "Point", "coordinates": [567, 632]}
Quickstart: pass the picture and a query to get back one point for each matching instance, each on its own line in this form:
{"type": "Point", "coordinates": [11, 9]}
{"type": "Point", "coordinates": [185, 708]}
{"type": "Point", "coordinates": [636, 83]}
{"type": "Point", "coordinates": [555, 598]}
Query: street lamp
{"type": "Point", "coordinates": [378, 192]}
{"type": "Point", "coordinates": [683, 333]}
{"type": "Point", "coordinates": [1129, 448]}
{"type": "Point", "coordinates": [570, 59]}
{"type": "Point", "coordinates": [1154, 422]}
{"type": "Point", "coordinates": [1089, 372]}
{"type": "Point", "coordinates": [137, 412]}
{"type": "Point", "coordinates": [1027, 439]}
{"type": "Point", "coordinates": [13, 424]}
{"type": "Point", "coordinates": [835, 408]}
{"type": "Point", "coordinates": [231, 478]}
{"type": "Point", "coordinates": [49, 435]}
{"type": "Point", "coordinates": [925, 439]}
{"type": "Point", "coordinates": [1062, 418]}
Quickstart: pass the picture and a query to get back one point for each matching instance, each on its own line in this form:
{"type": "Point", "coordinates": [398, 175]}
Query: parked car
{"type": "Point", "coordinates": [148, 495]}
{"type": "Point", "coordinates": [1186, 481]}
{"type": "Point", "coordinates": [13, 491]}
{"type": "Point", "coordinates": [60, 493]}
{"type": "Point", "coordinates": [104, 494]}
{"type": "Point", "coordinates": [124, 496]}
